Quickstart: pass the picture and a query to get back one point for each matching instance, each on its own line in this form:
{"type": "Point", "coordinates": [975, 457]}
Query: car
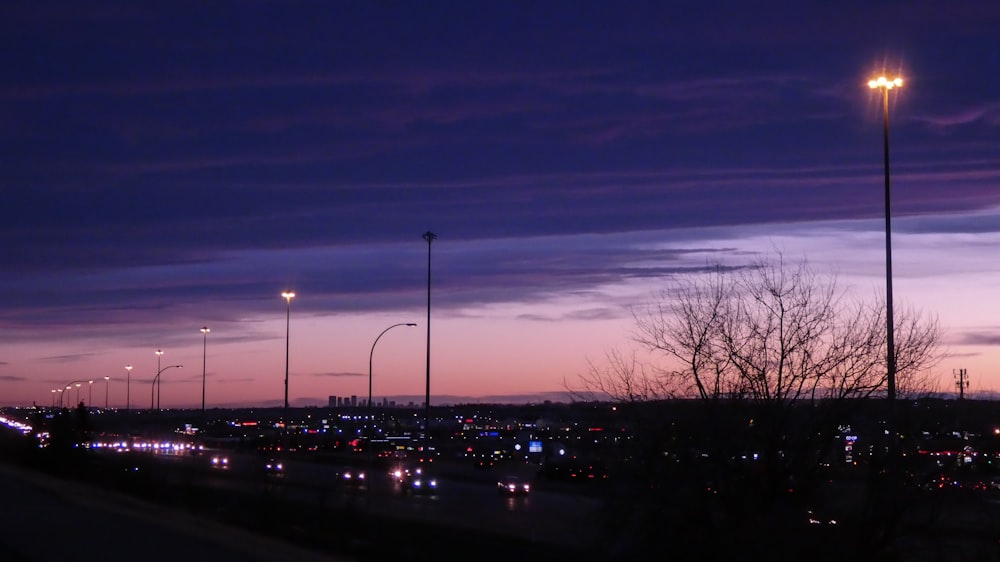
{"type": "Point", "coordinates": [414, 480]}
{"type": "Point", "coordinates": [220, 462]}
{"type": "Point", "coordinates": [513, 486]}
{"type": "Point", "coordinates": [274, 468]}
{"type": "Point", "coordinates": [351, 477]}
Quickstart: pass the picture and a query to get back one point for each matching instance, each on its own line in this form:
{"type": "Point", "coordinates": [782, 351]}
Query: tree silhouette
{"type": "Point", "coordinates": [774, 359]}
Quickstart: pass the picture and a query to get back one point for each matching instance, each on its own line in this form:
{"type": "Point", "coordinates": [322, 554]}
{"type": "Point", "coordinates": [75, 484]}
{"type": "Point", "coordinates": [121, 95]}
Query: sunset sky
{"type": "Point", "coordinates": [173, 165]}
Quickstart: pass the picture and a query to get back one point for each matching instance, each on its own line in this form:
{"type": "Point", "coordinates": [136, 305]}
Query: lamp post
{"type": "Point", "coordinates": [159, 354]}
{"type": "Point", "coordinates": [371, 355]}
{"type": "Point", "coordinates": [128, 388]}
{"type": "Point", "coordinates": [107, 383]}
{"type": "Point", "coordinates": [90, 394]}
{"type": "Point", "coordinates": [288, 296]}
{"type": "Point", "coordinates": [53, 392]}
{"type": "Point", "coordinates": [69, 386]}
{"type": "Point", "coordinates": [885, 84]}
{"type": "Point", "coordinates": [371, 417]}
{"type": "Point", "coordinates": [157, 387]}
{"type": "Point", "coordinates": [204, 363]}
{"type": "Point", "coordinates": [128, 399]}
{"type": "Point", "coordinates": [429, 237]}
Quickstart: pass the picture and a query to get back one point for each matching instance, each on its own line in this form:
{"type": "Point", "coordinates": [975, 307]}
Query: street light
{"type": "Point", "coordinates": [288, 296]}
{"type": "Point", "coordinates": [53, 391]}
{"type": "Point", "coordinates": [107, 383]}
{"type": "Point", "coordinates": [159, 354]}
{"type": "Point", "coordinates": [128, 388]}
{"type": "Point", "coordinates": [157, 387]}
{"type": "Point", "coordinates": [886, 84]}
{"type": "Point", "coordinates": [90, 394]}
{"type": "Point", "coordinates": [204, 359]}
{"type": "Point", "coordinates": [128, 399]}
{"type": "Point", "coordinates": [69, 386]}
{"type": "Point", "coordinates": [371, 417]}
{"type": "Point", "coordinates": [429, 237]}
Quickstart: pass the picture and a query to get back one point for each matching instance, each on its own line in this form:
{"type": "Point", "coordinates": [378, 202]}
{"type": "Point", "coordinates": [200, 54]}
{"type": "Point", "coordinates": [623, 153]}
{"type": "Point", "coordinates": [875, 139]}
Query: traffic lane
{"type": "Point", "coordinates": [554, 517]}
{"type": "Point", "coordinates": [46, 519]}
{"type": "Point", "coordinates": [540, 516]}
{"type": "Point", "coordinates": [543, 515]}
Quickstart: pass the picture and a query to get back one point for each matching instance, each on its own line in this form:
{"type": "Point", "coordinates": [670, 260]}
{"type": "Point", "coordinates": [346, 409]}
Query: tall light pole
{"type": "Point", "coordinates": [885, 84]}
{"type": "Point", "coordinates": [159, 354]}
{"type": "Point", "coordinates": [90, 394]}
{"type": "Point", "coordinates": [78, 385]}
{"type": "Point", "coordinates": [54, 391]}
{"type": "Point", "coordinates": [128, 388]}
{"type": "Point", "coordinates": [429, 237]}
{"type": "Point", "coordinates": [128, 399]}
{"type": "Point", "coordinates": [288, 296]}
{"type": "Point", "coordinates": [107, 383]}
{"type": "Point", "coordinates": [156, 385]}
{"type": "Point", "coordinates": [204, 363]}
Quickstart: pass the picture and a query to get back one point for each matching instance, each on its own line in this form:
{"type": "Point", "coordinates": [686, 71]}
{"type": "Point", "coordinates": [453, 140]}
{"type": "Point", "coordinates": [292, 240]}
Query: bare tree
{"type": "Point", "coordinates": [778, 334]}
{"type": "Point", "coordinates": [778, 356]}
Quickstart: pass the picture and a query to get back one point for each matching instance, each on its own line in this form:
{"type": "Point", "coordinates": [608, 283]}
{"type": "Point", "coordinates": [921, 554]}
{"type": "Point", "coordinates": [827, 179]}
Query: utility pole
{"type": "Point", "coordinates": [962, 382]}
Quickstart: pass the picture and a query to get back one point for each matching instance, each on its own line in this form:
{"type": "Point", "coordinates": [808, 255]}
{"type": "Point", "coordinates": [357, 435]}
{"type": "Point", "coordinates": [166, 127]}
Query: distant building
{"type": "Point", "coordinates": [332, 401]}
{"type": "Point", "coordinates": [354, 401]}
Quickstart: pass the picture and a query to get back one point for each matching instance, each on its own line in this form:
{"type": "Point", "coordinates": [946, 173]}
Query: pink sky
{"type": "Point", "coordinates": [519, 348]}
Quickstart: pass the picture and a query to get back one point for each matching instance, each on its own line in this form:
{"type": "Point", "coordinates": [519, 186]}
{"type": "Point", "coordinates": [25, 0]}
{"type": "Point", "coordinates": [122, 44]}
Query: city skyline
{"type": "Point", "coordinates": [176, 168]}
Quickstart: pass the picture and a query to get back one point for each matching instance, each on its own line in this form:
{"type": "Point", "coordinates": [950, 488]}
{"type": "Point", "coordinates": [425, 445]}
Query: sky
{"type": "Point", "coordinates": [174, 165]}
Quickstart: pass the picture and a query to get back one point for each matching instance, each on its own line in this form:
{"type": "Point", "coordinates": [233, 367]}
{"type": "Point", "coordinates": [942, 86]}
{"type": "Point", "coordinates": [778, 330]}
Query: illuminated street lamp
{"type": "Point", "coordinates": [288, 296]}
{"type": "Point", "coordinates": [157, 387]}
{"type": "Point", "coordinates": [107, 383]}
{"type": "Point", "coordinates": [54, 391]}
{"type": "Point", "coordinates": [69, 386]}
{"type": "Point", "coordinates": [90, 394]}
{"type": "Point", "coordinates": [128, 398]}
{"type": "Point", "coordinates": [159, 354]}
{"type": "Point", "coordinates": [204, 359]}
{"type": "Point", "coordinates": [128, 388]}
{"type": "Point", "coordinates": [886, 84]}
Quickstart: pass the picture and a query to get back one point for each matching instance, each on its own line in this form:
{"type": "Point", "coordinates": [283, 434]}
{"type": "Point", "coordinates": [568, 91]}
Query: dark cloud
{"type": "Point", "coordinates": [985, 336]}
{"type": "Point", "coordinates": [313, 151]}
{"type": "Point", "coordinates": [12, 378]}
{"type": "Point", "coordinates": [338, 374]}
{"type": "Point", "coordinates": [70, 358]}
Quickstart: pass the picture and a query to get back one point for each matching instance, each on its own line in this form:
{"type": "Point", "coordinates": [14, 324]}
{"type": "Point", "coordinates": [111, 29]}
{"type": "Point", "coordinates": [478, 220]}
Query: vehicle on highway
{"type": "Point", "coordinates": [220, 462]}
{"type": "Point", "coordinates": [351, 477]}
{"type": "Point", "coordinates": [513, 486]}
{"type": "Point", "coordinates": [274, 468]}
{"type": "Point", "coordinates": [414, 480]}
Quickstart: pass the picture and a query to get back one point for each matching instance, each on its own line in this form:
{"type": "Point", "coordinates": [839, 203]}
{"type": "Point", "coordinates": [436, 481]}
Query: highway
{"type": "Point", "coordinates": [50, 520]}
{"type": "Point", "coordinates": [464, 499]}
